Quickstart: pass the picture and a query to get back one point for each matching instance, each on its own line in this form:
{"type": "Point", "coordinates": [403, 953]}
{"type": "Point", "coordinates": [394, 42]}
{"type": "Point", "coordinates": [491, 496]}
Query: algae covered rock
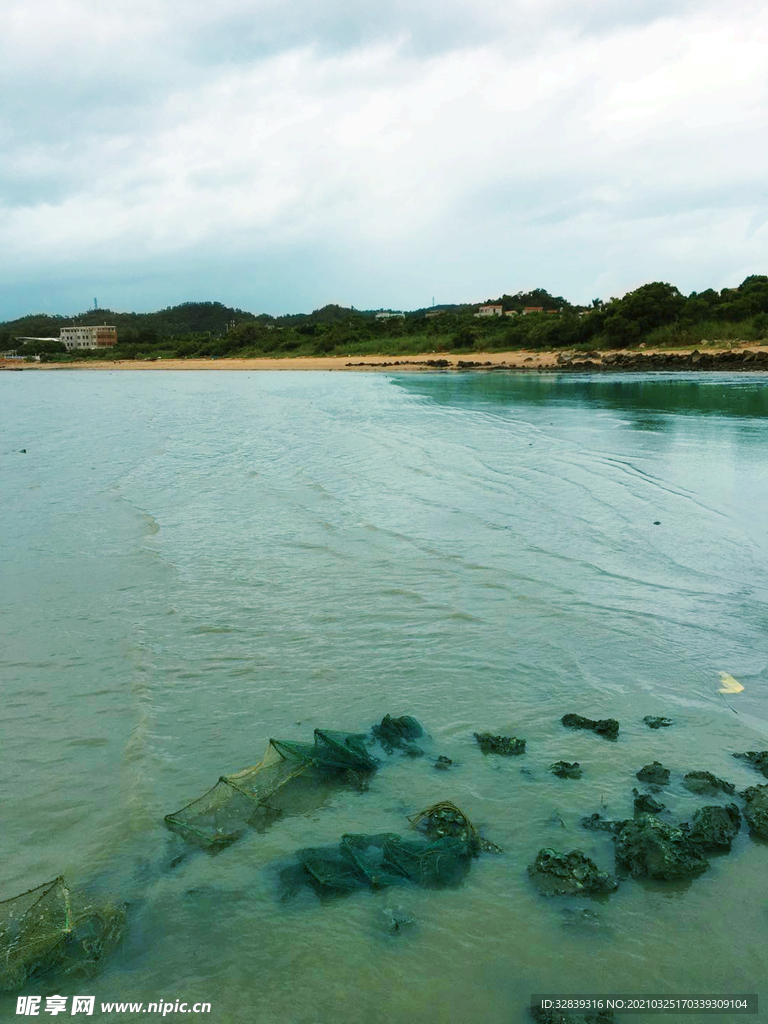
{"type": "Point", "coordinates": [756, 810]}
{"type": "Point", "coordinates": [505, 746]}
{"type": "Point", "coordinates": [657, 722]}
{"type": "Point", "coordinates": [647, 848]}
{"type": "Point", "coordinates": [655, 774]}
{"type": "Point", "coordinates": [569, 874]}
{"type": "Point", "coordinates": [757, 758]}
{"type": "Point", "coordinates": [715, 827]}
{"type": "Point", "coordinates": [706, 782]}
{"type": "Point", "coordinates": [645, 804]}
{"type": "Point", "coordinates": [597, 823]}
{"type": "Point", "coordinates": [566, 770]}
{"type": "Point", "coordinates": [607, 727]}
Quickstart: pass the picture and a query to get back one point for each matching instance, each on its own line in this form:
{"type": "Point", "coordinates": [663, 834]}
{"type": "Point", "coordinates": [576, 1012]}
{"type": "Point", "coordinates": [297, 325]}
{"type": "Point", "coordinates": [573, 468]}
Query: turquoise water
{"type": "Point", "coordinates": [193, 563]}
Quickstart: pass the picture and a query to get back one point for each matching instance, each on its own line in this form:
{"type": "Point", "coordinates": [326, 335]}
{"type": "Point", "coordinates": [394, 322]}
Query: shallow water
{"type": "Point", "coordinates": [193, 563]}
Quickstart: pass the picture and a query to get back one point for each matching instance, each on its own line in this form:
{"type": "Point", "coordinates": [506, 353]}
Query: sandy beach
{"type": "Point", "coordinates": [426, 361]}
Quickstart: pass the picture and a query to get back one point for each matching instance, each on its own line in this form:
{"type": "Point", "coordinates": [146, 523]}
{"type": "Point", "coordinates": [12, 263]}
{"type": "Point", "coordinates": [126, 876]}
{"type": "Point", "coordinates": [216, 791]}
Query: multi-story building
{"type": "Point", "coordinates": [88, 337]}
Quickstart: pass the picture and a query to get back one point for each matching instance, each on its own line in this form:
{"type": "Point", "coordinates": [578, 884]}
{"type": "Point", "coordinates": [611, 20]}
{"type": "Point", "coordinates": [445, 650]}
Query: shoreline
{"type": "Point", "coordinates": [744, 356]}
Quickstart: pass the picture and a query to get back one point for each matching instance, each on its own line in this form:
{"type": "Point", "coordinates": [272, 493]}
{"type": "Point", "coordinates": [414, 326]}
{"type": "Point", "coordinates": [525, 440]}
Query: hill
{"type": "Point", "coordinates": [656, 313]}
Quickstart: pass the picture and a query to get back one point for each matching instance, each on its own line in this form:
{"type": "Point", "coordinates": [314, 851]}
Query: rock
{"type": "Point", "coordinates": [655, 774]}
{"type": "Point", "coordinates": [706, 782]}
{"type": "Point", "coordinates": [564, 357]}
{"type": "Point", "coordinates": [443, 763]}
{"type": "Point", "coordinates": [757, 758]}
{"type": "Point", "coordinates": [569, 874]}
{"type": "Point", "coordinates": [756, 810]}
{"type": "Point", "coordinates": [607, 727]}
{"type": "Point", "coordinates": [650, 721]}
{"type": "Point", "coordinates": [647, 848]}
{"type": "Point", "coordinates": [597, 823]}
{"type": "Point", "coordinates": [505, 746]}
{"type": "Point", "coordinates": [714, 827]}
{"type": "Point", "coordinates": [566, 770]}
{"type": "Point", "coordinates": [645, 804]}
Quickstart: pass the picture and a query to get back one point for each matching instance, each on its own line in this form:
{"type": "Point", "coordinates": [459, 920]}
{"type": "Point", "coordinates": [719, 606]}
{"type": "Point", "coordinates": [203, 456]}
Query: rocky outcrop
{"type": "Point", "coordinates": [607, 727]}
{"type": "Point", "coordinates": [647, 848]}
{"type": "Point", "coordinates": [640, 361]}
{"type": "Point", "coordinates": [715, 827]}
{"type": "Point", "coordinates": [757, 758]}
{"type": "Point", "coordinates": [566, 770]}
{"type": "Point", "coordinates": [645, 804]}
{"type": "Point", "coordinates": [656, 723]}
{"type": "Point", "coordinates": [654, 774]}
{"type": "Point", "coordinates": [706, 782]}
{"type": "Point", "coordinates": [569, 874]}
{"type": "Point", "coordinates": [756, 810]}
{"type": "Point", "coordinates": [506, 746]}
{"type": "Point", "coordinates": [597, 823]}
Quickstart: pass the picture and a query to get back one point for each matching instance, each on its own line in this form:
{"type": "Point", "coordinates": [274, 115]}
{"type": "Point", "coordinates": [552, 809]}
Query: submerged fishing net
{"type": "Point", "coordinates": [379, 861]}
{"type": "Point", "coordinates": [440, 858]}
{"type": "Point", "coordinates": [446, 819]}
{"type": "Point", "coordinates": [52, 929]}
{"type": "Point", "coordinates": [292, 777]}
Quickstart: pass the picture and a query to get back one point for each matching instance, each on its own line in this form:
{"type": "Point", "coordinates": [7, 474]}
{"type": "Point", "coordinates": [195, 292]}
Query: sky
{"type": "Point", "coordinates": [278, 155]}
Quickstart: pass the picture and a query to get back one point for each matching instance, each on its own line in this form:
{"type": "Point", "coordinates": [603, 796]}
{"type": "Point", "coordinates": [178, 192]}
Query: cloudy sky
{"type": "Point", "coordinates": [276, 155]}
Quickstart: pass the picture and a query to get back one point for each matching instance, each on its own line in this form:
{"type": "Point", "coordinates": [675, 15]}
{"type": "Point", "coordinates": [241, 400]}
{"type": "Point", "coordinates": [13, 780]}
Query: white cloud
{"type": "Point", "coordinates": [589, 149]}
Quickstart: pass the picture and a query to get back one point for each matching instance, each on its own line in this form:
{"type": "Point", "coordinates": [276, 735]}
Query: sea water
{"type": "Point", "coordinates": [193, 563]}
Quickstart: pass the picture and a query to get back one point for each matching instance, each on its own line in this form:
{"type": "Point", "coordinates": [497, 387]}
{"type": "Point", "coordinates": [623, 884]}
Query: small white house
{"type": "Point", "coordinates": [490, 311]}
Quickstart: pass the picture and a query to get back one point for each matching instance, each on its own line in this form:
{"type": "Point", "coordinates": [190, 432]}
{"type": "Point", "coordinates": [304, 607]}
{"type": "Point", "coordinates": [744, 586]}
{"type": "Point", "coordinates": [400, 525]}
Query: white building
{"type": "Point", "coordinates": [88, 337]}
{"type": "Point", "coordinates": [490, 311]}
{"type": "Point", "coordinates": [390, 316]}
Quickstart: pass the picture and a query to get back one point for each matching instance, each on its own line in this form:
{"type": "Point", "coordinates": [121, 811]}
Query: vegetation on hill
{"type": "Point", "coordinates": [656, 313]}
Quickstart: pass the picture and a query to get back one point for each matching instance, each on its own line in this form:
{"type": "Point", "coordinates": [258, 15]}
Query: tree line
{"type": "Point", "coordinates": [655, 314]}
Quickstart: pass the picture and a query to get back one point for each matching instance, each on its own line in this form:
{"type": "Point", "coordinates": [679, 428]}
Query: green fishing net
{"type": "Point", "coordinates": [52, 928]}
{"type": "Point", "coordinates": [440, 857]}
{"type": "Point", "coordinates": [292, 777]}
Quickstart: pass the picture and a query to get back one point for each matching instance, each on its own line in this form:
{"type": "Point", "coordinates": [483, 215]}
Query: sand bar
{"type": "Point", "coordinates": [519, 359]}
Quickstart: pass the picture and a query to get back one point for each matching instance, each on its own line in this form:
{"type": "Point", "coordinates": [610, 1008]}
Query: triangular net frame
{"type": "Point", "coordinates": [291, 778]}
{"type": "Point", "coordinates": [52, 928]}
